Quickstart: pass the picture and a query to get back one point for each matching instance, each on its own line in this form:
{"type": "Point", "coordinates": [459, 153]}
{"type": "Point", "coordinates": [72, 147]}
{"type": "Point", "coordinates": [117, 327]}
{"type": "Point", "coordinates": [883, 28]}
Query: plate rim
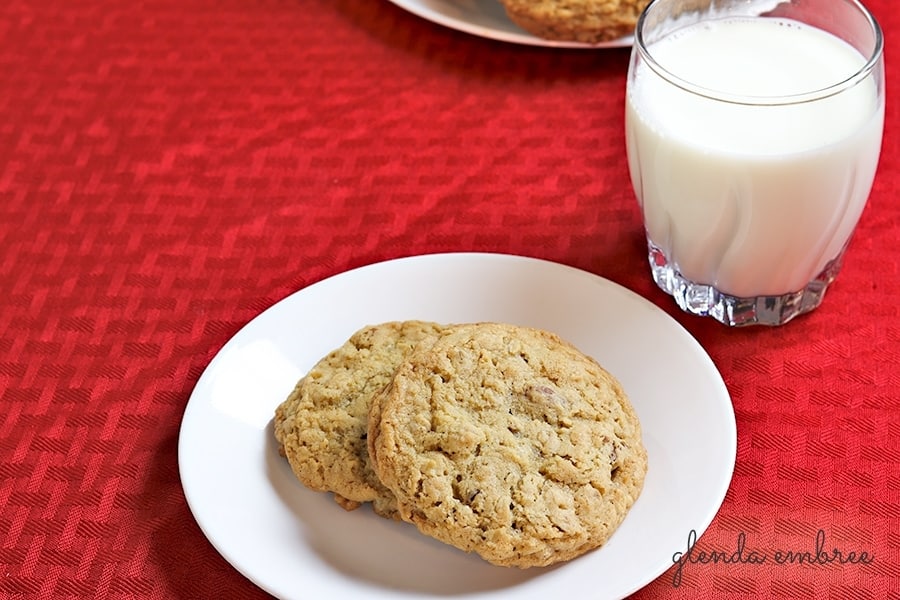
{"type": "Point", "coordinates": [700, 528]}
{"type": "Point", "coordinates": [418, 8]}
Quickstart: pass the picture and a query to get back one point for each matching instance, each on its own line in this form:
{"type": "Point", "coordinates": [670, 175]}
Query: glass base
{"type": "Point", "coordinates": [707, 301]}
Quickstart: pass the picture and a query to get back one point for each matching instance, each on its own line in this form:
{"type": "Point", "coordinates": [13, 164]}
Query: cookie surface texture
{"type": "Point", "coordinates": [322, 425]}
{"type": "Point", "coordinates": [508, 442]}
{"type": "Point", "coordinates": [587, 21]}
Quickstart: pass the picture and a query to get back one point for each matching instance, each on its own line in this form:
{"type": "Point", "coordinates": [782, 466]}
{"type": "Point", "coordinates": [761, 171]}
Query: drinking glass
{"type": "Point", "coordinates": [753, 131]}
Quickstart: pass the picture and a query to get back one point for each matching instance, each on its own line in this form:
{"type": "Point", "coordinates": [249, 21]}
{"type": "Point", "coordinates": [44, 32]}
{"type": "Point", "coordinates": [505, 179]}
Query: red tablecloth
{"type": "Point", "coordinates": [171, 168]}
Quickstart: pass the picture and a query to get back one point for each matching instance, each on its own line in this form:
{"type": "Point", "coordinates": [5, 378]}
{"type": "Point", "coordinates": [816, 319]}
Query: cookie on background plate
{"type": "Point", "coordinates": [322, 425]}
{"type": "Point", "coordinates": [509, 442]}
{"type": "Point", "coordinates": [587, 21]}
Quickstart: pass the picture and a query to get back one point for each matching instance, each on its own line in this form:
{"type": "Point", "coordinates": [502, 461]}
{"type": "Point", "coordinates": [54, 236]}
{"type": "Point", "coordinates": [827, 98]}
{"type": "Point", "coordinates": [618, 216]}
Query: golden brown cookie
{"type": "Point", "coordinates": [587, 21]}
{"type": "Point", "coordinates": [508, 442]}
{"type": "Point", "coordinates": [322, 424]}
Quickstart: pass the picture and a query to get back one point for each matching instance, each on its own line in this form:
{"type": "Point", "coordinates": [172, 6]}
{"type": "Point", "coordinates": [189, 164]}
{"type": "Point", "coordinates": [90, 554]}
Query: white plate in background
{"type": "Point", "coordinates": [487, 18]}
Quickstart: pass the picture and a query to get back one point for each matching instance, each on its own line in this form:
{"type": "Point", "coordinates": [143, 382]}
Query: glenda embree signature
{"type": "Point", "coordinates": [819, 555]}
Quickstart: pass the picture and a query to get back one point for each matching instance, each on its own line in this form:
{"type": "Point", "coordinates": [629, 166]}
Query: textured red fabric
{"type": "Point", "coordinates": [171, 168]}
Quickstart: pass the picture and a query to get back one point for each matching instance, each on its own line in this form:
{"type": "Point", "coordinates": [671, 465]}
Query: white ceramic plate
{"type": "Point", "coordinates": [487, 18]}
{"type": "Point", "coordinates": [295, 543]}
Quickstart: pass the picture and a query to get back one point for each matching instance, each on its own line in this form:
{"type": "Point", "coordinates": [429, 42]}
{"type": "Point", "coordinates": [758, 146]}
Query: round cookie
{"type": "Point", "coordinates": [587, 21]}
{"type": "Point", "coordinates": [509, 442]}
{"type": "Point", "coordinates": [322, 424]}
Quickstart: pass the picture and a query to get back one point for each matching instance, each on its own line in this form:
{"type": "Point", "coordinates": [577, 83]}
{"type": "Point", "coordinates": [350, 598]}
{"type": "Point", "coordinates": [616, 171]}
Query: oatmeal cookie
{"type": "Point", "coordinates": [508, 442]}
{"type": "Point", "coordinates": [587, 21]}
{"type": "Point", "coordinates": [322, 424]}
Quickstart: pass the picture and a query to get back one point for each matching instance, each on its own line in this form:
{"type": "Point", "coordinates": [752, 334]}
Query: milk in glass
{"type": "Point", "coordinates": [752, 198]}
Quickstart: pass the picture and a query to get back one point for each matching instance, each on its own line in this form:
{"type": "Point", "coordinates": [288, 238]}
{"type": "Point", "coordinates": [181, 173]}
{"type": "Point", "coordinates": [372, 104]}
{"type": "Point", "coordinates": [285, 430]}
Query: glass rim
{"type": "Point", "coordinates": [776, 100]}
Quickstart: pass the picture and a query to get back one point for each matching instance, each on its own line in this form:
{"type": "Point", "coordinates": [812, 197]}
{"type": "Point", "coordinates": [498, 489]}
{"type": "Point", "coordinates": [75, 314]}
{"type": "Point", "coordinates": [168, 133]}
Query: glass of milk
{"type": "Point", "coordinates": [753, 132]}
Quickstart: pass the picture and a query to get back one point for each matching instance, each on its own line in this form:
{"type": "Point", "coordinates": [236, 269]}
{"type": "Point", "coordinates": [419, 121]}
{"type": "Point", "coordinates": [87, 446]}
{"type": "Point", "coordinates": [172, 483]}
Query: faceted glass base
{"type": "Point", "coordinates": [705, 300]}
